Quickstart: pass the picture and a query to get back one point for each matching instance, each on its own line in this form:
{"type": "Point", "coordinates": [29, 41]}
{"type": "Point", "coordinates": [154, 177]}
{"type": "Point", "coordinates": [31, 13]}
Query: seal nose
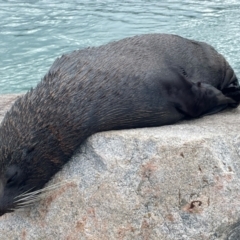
{"type": "Point", "coordinates": [1, 198]}
{"type": "Point", "coordinates": [1, 189]}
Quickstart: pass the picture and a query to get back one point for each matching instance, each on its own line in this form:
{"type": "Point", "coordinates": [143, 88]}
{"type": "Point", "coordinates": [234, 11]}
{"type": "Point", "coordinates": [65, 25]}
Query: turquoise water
{"type": "Point", "coordinates": [33, 33]}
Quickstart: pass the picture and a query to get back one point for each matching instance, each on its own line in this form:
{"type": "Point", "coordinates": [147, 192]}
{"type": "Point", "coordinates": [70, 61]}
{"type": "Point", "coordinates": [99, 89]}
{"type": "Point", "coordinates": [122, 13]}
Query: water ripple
{"type": "Point", "coordinates": [34, 33]}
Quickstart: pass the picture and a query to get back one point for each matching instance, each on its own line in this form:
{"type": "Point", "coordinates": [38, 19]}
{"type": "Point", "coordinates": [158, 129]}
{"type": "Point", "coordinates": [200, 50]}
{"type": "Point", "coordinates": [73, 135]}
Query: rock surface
{"type": "Point", "coordinates": [173, 182]}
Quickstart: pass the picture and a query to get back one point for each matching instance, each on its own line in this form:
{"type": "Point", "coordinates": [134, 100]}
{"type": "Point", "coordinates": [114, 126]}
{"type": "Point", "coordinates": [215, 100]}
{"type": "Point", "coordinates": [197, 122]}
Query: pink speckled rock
{"type": "Point", "coordinates": [173, 182]}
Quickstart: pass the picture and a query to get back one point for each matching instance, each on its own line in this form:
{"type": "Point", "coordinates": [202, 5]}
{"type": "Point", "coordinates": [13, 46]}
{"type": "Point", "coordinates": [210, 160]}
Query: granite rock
{"type": "Point", "coordinates": [173, 182]}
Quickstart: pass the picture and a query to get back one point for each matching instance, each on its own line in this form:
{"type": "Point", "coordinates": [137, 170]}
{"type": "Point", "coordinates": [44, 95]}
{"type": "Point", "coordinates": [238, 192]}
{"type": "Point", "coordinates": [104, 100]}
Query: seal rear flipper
{"type": "Point", "coordinates": [234, 93]}
{"type": "Point", "coordinates": [215, 110]}
{"type": "Point", "coordinates": [214, 100]}
{"type": "Point", "coordinates": [202, 99]}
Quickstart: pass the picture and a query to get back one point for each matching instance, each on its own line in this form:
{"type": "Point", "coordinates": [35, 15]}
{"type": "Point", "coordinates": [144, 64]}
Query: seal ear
{"type": "Point", "coordinates": [28, 153]}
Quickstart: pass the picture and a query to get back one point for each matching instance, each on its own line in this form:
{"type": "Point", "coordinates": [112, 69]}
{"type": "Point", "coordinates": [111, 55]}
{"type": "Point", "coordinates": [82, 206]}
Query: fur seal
{"type": "Point", "coordinates": [142, 81]}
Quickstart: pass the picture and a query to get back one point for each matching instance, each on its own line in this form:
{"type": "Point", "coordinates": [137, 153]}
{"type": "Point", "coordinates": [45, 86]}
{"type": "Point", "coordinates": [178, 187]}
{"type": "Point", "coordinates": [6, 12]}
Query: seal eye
{"type": "Point", "coordinates": [11, 179]}
{"type": "Point", "coordinates": [13, 176]}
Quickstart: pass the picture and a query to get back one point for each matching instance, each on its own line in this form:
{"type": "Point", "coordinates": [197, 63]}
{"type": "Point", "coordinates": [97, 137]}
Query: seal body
{"type": "Point", "coordinates": [143, 81]}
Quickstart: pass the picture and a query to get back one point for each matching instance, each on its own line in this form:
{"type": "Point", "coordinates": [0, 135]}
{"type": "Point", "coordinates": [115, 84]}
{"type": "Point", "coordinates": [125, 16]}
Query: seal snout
{"type": "Point", "coordinates": [11, 186]}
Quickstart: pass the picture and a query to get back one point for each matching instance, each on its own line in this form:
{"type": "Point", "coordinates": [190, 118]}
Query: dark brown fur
{"type": "Point", "coordinates": [148, 80]}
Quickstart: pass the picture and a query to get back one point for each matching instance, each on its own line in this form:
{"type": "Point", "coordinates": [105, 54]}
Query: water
{"type": "Point", "coordinates": [33, 33]}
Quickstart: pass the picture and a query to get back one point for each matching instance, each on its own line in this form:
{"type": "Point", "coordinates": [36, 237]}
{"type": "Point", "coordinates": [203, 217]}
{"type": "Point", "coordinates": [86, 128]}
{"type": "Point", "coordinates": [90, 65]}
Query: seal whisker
{"type": "Point", "coordinates": [26, 198]}
{"type": "Point", "coordinates": [45, 189]}
{"type": "Point", "coordinates": [23, 204]}
{"type": "Point", "coordinates": [34, 196]}
{"type": "Point", "coordinates": [23, 207]}
{"type": "Point", "coordinates": [24, 193]}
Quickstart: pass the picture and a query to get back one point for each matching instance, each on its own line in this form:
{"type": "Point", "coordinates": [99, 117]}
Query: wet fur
{"type": "Point", "coordinates": [144, 81]}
